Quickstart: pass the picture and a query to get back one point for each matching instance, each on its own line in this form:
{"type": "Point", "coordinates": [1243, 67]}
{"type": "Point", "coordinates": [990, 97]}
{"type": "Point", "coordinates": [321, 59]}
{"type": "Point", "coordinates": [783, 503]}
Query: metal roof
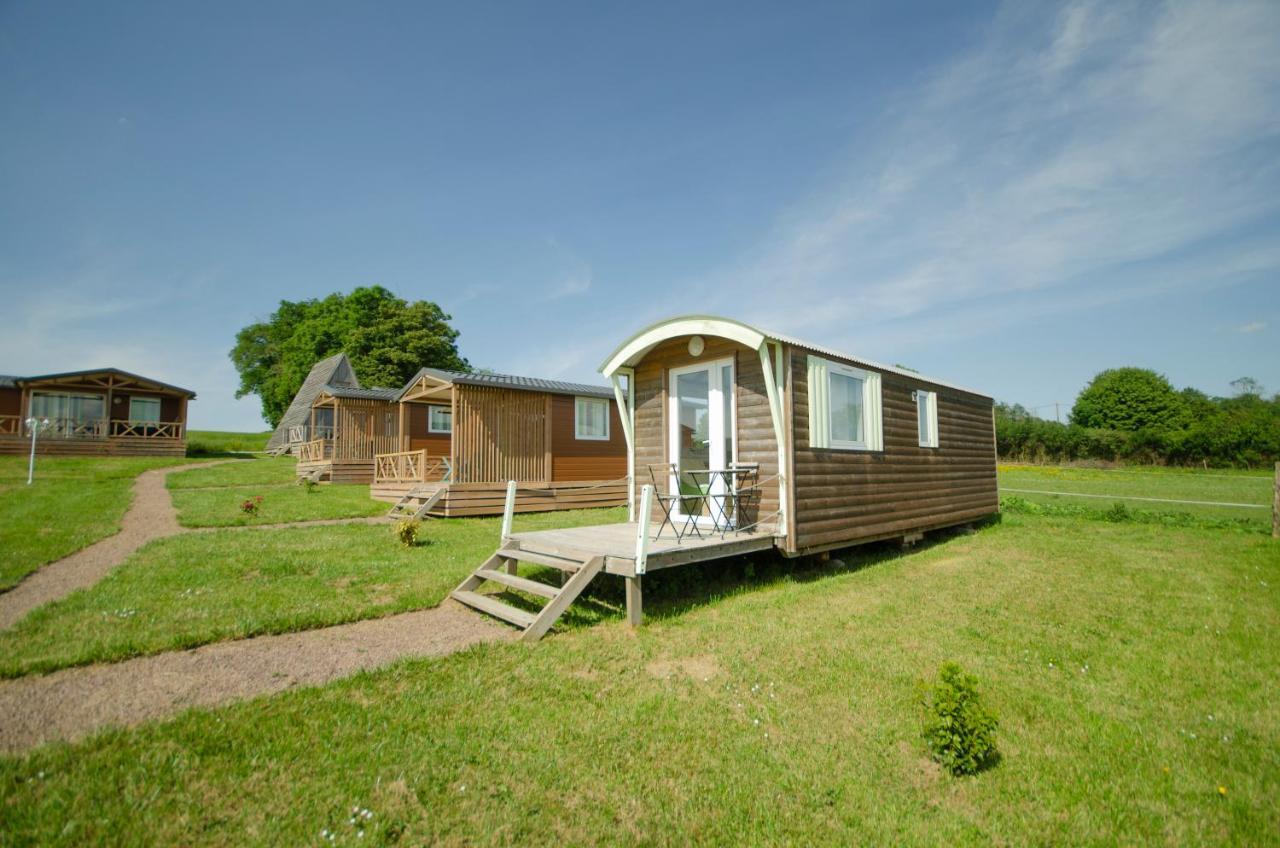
{"type": "Point", "coordinates": [509, 381]}
{"type": "Point", "coordinates": [363, 394]}
{"type": "Point", "coordinates": [17, 381]}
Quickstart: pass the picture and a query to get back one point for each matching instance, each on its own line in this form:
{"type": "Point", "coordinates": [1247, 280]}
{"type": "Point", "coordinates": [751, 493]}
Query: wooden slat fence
{"type": "Point", "coordinates": [499, 434]}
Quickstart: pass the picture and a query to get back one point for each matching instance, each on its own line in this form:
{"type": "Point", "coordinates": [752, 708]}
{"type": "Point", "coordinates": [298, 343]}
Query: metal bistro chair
{"type": "Point", "coordinates": [666, 501]}
{"type": "Point", "coordinates": [744, 494]}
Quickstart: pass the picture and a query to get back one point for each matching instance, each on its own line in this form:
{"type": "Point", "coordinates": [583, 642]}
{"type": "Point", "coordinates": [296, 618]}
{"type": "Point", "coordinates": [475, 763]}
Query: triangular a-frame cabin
{"type": "Point", "coordinates": [294, 427]}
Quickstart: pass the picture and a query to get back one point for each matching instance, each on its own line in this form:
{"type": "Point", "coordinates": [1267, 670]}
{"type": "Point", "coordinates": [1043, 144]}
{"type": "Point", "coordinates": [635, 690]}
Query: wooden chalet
{"type": "Point", "coordinates": [739, 439]}
{"type": "Point", "coordinates": [98, 412]}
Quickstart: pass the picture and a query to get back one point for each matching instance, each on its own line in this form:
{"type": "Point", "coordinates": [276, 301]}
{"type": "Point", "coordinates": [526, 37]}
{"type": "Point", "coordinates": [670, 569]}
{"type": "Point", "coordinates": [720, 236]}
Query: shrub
{"type": "Point", "coordinates": [308, 485]}
{"type": "Point", "coordinates": [250, 505]}
{"type": "Point", "coordinates": [407, 531]}
{"type": "Point", "coordinates": [958, 728]}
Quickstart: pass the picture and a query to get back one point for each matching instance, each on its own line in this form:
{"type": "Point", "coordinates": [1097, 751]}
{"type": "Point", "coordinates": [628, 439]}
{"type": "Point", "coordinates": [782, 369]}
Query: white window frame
{"type": "Point", "coordinates": [930, 407]}
{"type": "Point", "coordinates": [431, 428]}
{"type": "Point", "coordinates": [147, 400]}
{"type": "Point", "coordinates": [820, 371]}
{"type": "Point", "coordinates": [577, 419]}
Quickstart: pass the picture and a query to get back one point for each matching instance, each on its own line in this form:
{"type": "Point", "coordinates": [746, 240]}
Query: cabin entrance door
{"type": "Point", "coordinates": [702, 433]}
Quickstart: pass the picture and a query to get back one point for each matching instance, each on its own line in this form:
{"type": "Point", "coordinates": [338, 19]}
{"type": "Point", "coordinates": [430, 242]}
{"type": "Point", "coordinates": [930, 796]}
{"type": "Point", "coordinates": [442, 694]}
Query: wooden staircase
{"type": "Point", "coordinates": [576, 572]}
{"type": "Point", "coordinates": [314, 476]}
{"type": "Point", "coordinates": [418, 501]}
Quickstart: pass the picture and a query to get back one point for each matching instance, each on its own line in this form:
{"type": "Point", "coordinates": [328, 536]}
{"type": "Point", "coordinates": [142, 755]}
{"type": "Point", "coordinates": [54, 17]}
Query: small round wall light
{"type": "Point", "coordinates": [696, 346]}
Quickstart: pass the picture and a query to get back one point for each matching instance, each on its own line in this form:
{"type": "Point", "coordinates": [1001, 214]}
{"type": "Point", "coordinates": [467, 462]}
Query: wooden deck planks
{"type": "Point", "coordinates": [617, 544]}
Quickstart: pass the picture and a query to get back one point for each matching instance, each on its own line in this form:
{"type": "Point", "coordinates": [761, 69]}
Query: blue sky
{"type": "Point", "coordinates": [1008, 196]}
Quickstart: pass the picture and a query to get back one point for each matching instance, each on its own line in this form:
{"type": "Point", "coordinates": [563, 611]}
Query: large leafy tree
{"type": "Point", "coordinates": [387, 339]}
{"type": "Point", "coordinates": [1129, 399]}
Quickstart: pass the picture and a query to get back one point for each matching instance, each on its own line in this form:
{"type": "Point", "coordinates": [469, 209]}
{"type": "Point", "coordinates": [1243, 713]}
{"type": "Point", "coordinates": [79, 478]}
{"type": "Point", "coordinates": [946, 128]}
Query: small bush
{"type": "Point", "coordinates": [250, 505]}
{"type": "Point", "coordinates": [308, 485]}
{"type": "Point", "coordinates": [407, 532]}
{"type": "Point", "coordinates": [958, 728]}
{"type": "Point", "coordinates": [1118, 513]}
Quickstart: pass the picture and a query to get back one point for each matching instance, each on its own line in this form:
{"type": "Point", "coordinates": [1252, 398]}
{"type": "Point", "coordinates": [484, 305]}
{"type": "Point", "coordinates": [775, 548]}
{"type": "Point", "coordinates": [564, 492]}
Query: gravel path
{"type": "Point", "coordinates": [75, 702]}
{"type": "Point", "coordinates": [150, 516]}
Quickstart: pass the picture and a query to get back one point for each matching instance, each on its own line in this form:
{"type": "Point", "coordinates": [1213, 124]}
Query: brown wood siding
{"type": "Point", "coordinates": [574, 459]}
{"type": "Point", "coordinates": [850, 496]}
{"type": "Point", "coordinates": [436, 444]}
{"type": "Point", "coordinates": [499, 434]}
{"type": "Point", "coordinates": [10, 401]}
{"type": "Point", "coordinates": [756, 442]}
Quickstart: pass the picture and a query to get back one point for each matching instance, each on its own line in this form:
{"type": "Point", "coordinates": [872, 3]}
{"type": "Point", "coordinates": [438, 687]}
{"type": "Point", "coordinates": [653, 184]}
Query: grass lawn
{"type": "Point", "coordinates": [198, 588]}
{"type": "Point", "coordinates": [215, 442]}
{"type": "Point", "coordinates": [1237, 487]}
{"type": "Point", "coordinates": [221, 507]}
{"type": "Point", "coordinates": [264, 471]}
{"type": "Point", "coordinates": [73, 503]}
{"type": "Point", "coordinates": [1132, 668]}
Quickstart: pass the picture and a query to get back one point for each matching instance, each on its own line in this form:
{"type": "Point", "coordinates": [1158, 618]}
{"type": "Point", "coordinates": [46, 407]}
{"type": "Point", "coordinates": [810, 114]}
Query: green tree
{"type": "Point", "coordinates": [1129, 399]}
{"type": "Point", "coordinates": [387, 339]}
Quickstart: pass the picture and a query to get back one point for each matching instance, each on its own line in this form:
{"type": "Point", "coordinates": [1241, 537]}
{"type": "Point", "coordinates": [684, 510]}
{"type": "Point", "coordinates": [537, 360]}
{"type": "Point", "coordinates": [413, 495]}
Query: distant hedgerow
{"type": "Point", "coordinates": [958, 727]}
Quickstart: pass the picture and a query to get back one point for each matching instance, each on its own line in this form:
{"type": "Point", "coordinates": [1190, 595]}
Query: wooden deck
{"type": "Point", "coordinates": [617, 544]}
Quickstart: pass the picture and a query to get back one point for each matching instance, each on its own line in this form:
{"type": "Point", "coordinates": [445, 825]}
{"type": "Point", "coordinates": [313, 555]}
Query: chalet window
{"type": "Point", "coordinates": [844, 407]}
{"type": "Point", "coordinates": [927, 418]}
{"type": "Point", "coordinates": [591, 419]}
{"type": "Point", "coordinates": [144, 409]}
{"type": "Point", "coordinates": [79, 408]}
{"type": "Point", "coordinates": [439, 419]}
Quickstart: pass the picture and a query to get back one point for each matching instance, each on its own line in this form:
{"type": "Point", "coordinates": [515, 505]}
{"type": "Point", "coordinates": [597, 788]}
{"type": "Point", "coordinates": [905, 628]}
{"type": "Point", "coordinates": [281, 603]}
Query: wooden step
{"type": "Point", "coordinates": [524, 584]}
{"type": "Point", "coordinates": [495, 608]}
{"type": "Point", "coordinates": [535, 558]}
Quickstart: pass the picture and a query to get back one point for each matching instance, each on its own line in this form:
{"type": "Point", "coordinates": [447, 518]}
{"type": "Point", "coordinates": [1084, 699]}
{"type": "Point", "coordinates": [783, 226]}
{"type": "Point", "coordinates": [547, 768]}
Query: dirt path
{"type": "Point", "coordinates": [75, 702]}
{"type": "Point", "coordinates": [150, 516]}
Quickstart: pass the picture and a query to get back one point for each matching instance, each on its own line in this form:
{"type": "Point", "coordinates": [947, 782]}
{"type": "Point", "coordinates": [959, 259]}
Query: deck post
{"type": "Point", "coordinates": [508, 509]}
{"type": "Point", "coordinates": [635, 602]}
{"type": "Point", "coordinates": [1275, 507]}
{"type": "Point", "coordinates": [642, 528]}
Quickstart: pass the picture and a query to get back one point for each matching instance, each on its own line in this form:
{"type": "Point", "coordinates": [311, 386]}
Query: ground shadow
{"type": "Point", "coordinates": [672, 592]}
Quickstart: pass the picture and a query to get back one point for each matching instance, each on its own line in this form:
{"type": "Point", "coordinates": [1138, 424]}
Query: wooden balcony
{"type": "Point", "coordinates": [14, 427]}
{"type": "Point", "coordinates": [410, 467]}
{"type": "Point", "coordinates": [316, 450]}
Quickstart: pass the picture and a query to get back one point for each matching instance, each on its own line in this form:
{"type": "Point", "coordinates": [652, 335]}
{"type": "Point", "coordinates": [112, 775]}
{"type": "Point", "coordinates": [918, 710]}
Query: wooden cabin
{"type": "Point", "coordinates": [459, 438]}
{"type": "Point", "coordinates": [465, 435]}
{"type": "Point", "coordinates": [739, 439]}
{"type": "Point", "coordinates": [98, 412]}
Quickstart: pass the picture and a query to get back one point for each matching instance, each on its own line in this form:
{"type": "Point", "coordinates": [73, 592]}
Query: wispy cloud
{"type": "Point", "coordinates": [575, 277]}
{"type": "Point", "coordinates": [1252, 327]}
{"type": "Point", "coordinates": [1055, 157]}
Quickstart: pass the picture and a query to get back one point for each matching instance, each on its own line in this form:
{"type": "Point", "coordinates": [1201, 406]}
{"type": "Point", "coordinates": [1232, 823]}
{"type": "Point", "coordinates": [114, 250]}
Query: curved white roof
{"type": "Point", "coordinates": [634, 349]}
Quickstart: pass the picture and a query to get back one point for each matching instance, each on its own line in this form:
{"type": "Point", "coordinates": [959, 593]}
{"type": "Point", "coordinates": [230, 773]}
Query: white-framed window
{"type": "Point", "coordinates": [144, 409]}
{"type": "Point", "coordinates": [844, 407]}
{"type": "Point", "coordinates": [591, 419]}
{"type": "Point", "coordinates": [927, 418]}
{"type": "Point", "coordinates": [439, 419]}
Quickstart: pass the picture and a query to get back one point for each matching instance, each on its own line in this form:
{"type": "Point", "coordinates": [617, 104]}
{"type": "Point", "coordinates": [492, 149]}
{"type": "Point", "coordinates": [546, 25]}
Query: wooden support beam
{"type": "Point", "coordinates": [635, 602]}
{"type": "Point", "coordinates": [546, 448]}
{"type": "Point", "coordinates": [508, 510]}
